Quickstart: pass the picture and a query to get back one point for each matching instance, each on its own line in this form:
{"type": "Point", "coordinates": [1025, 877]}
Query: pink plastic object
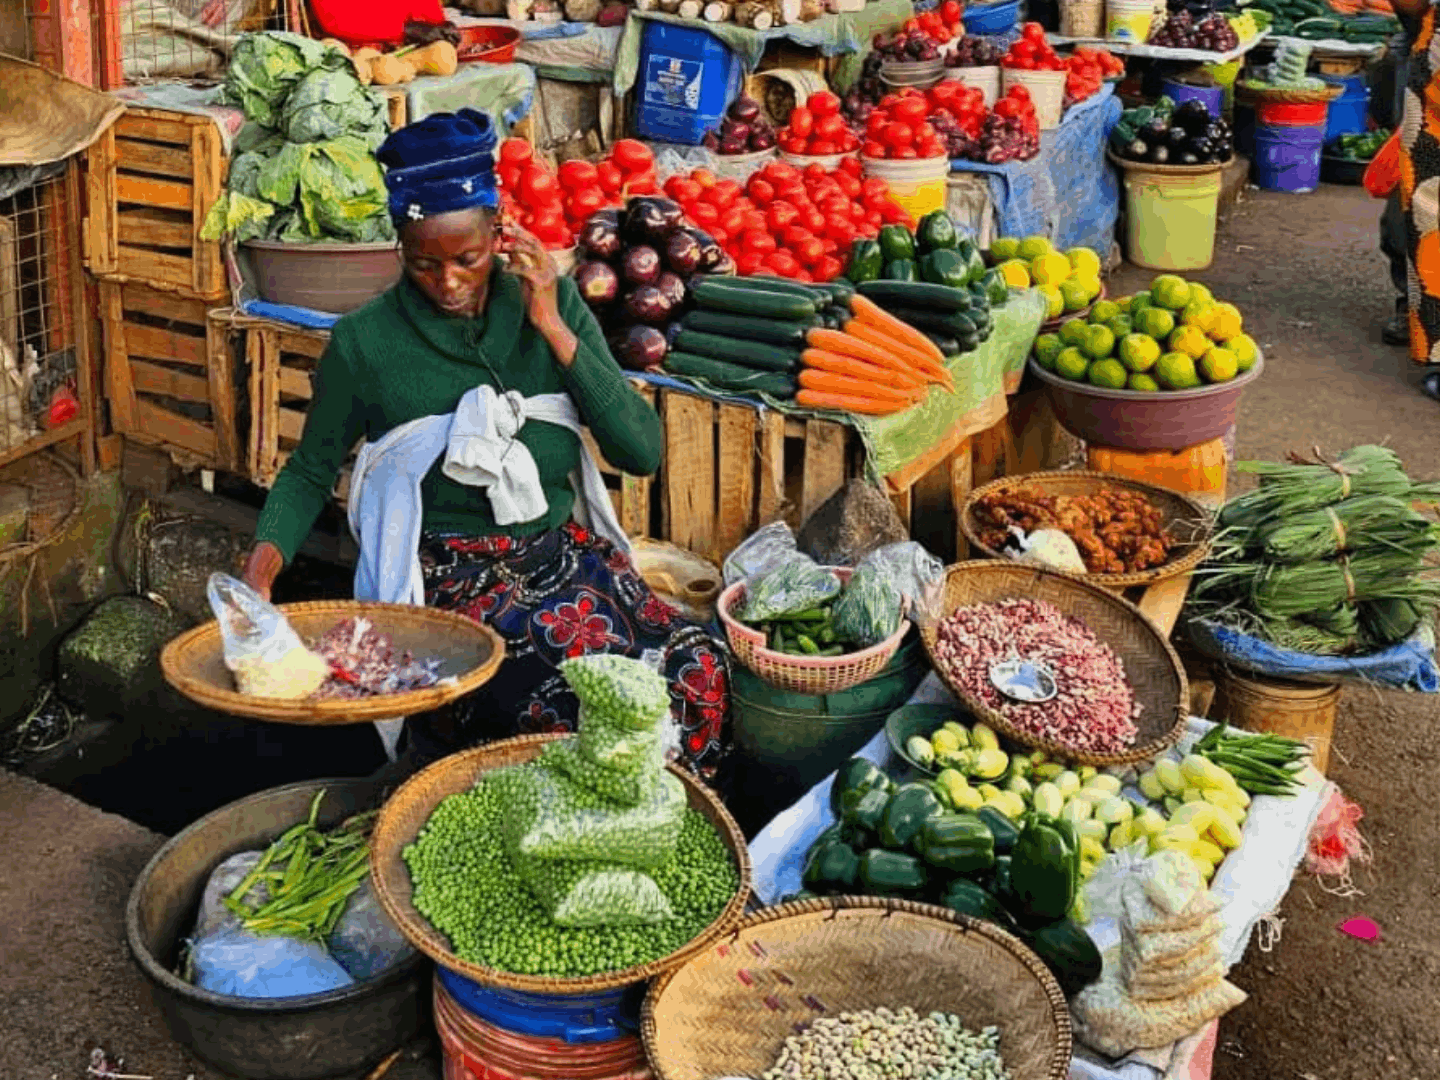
{"type": "Point", "coordinates": [1362, 928]}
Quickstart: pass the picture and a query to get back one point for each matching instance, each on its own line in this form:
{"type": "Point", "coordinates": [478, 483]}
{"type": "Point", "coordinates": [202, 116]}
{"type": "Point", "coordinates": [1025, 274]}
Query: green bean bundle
{"type": "Point", "coordinates": [1366, 522]}
{"type": "Point", "coordinates": [1299, 486]}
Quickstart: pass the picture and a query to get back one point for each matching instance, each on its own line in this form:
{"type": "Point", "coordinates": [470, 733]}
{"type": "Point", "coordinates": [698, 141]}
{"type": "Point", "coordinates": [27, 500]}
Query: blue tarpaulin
{"type": "Point", "coordinates": [1410, 665]}
{"type": "Point", "coordinates": [1068, 191]}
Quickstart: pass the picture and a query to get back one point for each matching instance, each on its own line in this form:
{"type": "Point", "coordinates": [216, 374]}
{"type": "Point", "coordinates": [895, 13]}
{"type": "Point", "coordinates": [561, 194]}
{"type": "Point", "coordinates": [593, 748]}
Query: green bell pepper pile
{"type": "Point", "coordinates": [1045, 869]}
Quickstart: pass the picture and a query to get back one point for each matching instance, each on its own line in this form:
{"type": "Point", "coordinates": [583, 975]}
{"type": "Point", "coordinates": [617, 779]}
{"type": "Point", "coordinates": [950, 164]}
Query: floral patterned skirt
{"type": "Point", "coordinates": [562, 594]}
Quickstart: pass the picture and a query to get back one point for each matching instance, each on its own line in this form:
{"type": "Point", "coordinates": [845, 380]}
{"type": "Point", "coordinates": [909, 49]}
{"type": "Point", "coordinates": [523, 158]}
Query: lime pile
{"type": "Point", "coordinates": [1175, 336]}
{"type": "Point", "coordinates": [1069, 280]}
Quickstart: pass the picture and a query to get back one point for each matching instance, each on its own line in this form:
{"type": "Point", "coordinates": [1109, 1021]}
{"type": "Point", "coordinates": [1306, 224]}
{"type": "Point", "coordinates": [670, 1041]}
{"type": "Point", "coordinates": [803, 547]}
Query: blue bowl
{"type": "Point", "coordinates": [992, 18]}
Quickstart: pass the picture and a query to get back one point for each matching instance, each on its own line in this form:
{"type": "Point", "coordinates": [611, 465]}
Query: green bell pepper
{"type": "Point", "coordinates": [852, 780]}
{"type": "Point", "coordinates": [968, 898]}
{"type": "Point", "coordinates": [869, 811]}
{"type": "Point", "coordinates": [1000, 877]}
{"type": "Point", "coordinates": [910, 808]}
{"type": "Point", "coordinates": [996, 290]}
{"type": "Point", "coordinates": [896, 243]}
{"type": "Point", "coordinates": [900, 270]}
{"type": "Point", "coordinates": [945, 267]}
{"type": "Point", "coordinates": [1001, 827]}
{"type": "Point", "coordinates": [975, 271]}
{"type": "Point", "coordinates": [830, 864]}
{"type": "Point", "coordinates": [935, 232]}
{"type": "Point", "coordinates": [960, 843]}
{"type": "Point", "coordinates": [1045, 869]}
{"type": "Point", "coordinates": [866, 261]}
{"type": "Point", "coordinates": [891, 872]}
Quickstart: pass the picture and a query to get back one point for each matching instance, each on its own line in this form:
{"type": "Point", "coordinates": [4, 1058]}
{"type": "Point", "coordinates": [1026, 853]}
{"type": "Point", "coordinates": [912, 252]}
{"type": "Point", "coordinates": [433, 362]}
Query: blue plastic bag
{"type": "Point", "coordinates": [365, 941]}
{"type": "Point", "coordinates": [1410, 665]}
{"type": "Point", "coordinates": [238, 964]}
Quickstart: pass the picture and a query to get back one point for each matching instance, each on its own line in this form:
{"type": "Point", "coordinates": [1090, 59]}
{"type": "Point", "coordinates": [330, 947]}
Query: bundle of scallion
{"type": "Point", "coordinates": [1367, 522]}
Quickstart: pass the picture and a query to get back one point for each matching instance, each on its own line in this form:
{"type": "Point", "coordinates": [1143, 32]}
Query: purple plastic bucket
{"type": "Point", "coordinates": [1288, 158]}
{"type": "Point", "coordinates": [1212, 97]}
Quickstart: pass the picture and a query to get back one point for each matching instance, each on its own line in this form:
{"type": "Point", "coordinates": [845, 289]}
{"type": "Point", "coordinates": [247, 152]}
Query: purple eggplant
{"type": "Point", "coordinates": [644, 347]}
{"type": "Point", "coordinates": [745, 109]}
{"type": "Point", "coordinates": [711, 142]}
{"type": "Point", "coordinates": [672, 288]}
{"type": "Point", "coordinates": [598, 283]}
{"type": "Point", "coordinates": [648, 305]}
{"type": "Point", "coordinates": [644, 222]}
{"type": "Point", "coordinates": [601, 236]}
{"type": "Point", "coordinates": [641, 265]}
{"type": "Point", "coordinates": [683, 253]}
{"type": "Point", "coordinates": [762, 140]}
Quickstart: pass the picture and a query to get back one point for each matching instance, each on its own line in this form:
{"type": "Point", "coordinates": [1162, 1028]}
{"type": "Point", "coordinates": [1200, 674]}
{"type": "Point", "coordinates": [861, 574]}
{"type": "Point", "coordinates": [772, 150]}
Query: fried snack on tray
{"type": "Point", "coordinates": [1117, 531]}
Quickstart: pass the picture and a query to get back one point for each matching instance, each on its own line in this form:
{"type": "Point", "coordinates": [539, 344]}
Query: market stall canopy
{"type": "Point", "coordinates": [46, 117]}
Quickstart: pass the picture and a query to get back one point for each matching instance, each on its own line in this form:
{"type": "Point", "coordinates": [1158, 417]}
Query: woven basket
{"type": "Point", "coordinates": [194, 663]}
{"type": "Point", "coordinates": [1251, 93]}
{"type": "Point", "coordinates": [407, 811]}
{"type": "Point", "coordinates": [1188, 522]}
{"type": "Point", "coordinates": [1082, 18]}
{"type": "Point", "coordinates": [814, 675]}
{"type": "Point", "coordinates": [1050, 326]}
{"type": "Point", "coordinates": [1152, 666]}
{"type": "Point", "coordinates": [728, 1011]}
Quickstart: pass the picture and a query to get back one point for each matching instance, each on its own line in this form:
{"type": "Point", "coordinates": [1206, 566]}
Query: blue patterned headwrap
{"type": "Point", "coordinates": [442, 163]}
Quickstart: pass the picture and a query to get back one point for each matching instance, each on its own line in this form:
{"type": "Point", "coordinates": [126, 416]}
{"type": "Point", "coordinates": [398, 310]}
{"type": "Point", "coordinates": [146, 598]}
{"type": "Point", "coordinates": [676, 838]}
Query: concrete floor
{"type": "Point", "coordinates": [1306, 273]}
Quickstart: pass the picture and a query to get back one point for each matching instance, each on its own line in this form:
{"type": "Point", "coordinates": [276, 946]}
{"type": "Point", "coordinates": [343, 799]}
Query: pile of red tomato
{"type": "Point", "coordinates": [899, 127]}
{"type": "Point", "coordinates": [1086, 71]}
{"type": "Point", "coordinates": [797, 223]}
{"type": "Point", "coordinates": [817, 128]}
{"type": "Point", "coordinates": [1032, 52]}
{"type": "Point", "coordinates": [554, 206]}
{"type": "Point", "coordinates": [942, 24]}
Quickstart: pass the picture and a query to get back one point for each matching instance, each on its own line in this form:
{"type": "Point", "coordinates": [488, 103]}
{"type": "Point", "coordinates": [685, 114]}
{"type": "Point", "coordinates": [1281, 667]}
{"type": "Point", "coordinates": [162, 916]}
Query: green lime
{"type": "Point", "coordinates": [1219, 365]}
{"type": "Point", "coordinates": [1104, 311]}
{"type": "Point", "coordinates": [1099, 343]}
{"type": "Point", "coordinates": [1154, 321]}
{"type": "Point", "coordinates": [1047, 347]}
{"type": "Point", "coordinates": [1176, 371]}
{"type": "Point", "coordinates": [1072, 364]}
{"type": "Point", "coordinates": [1142, 382]}
{"type": "Point", "coordinates": [1138, 352]}
{"type": "Point", "coordinates": [1074, 332]}
{"type": "Point", "coordinates": [1170, 291]}
{"type": "Point", "coordinates": [1110, 374]}
{"type": "Point", "coordinates": [1120, 326]}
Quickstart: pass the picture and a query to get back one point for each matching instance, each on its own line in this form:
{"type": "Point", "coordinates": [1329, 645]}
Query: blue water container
{"type": "Point", "coordinates": [991, 18]}
{"type": "Point", "coordinates": [576, 1019]}
{"type": "Point", "coordinates": [1349, 113]}
{"type": "Point", "coordinates": [1288, 158]}
{"type": "Point", "coordinates": [1212, 97]}
{"type": "Point", "coordinates": [686, 81]}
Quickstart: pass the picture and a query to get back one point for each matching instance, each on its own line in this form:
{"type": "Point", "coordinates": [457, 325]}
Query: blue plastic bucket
{"type": "Point", "coordinates": [575, 1019]}
{"type": "Point", "coordinates": [1349, 113]}
{"type": "Point", "coordinates": [991, 18]}
{"type": "Point", "coordinates": [1288, 158]}
{"type": "Point", "coordinates": [687, 78]}
{"type": "Point", "coordinates": [1212, 97]}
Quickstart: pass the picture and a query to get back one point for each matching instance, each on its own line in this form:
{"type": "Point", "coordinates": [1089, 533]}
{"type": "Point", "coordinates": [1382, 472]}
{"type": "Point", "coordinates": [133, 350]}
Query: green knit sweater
{"type": "Point", "coordinates": [398, 359]}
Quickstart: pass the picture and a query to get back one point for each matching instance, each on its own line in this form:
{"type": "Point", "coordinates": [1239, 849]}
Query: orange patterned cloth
{"type": "Point", "coordinates": [1420, 191]}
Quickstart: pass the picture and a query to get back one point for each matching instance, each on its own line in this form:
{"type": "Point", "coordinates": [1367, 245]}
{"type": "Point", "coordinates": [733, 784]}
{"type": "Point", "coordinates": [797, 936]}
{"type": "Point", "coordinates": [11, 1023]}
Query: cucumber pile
{"type": "Point", "coordinates": [1316, 20]}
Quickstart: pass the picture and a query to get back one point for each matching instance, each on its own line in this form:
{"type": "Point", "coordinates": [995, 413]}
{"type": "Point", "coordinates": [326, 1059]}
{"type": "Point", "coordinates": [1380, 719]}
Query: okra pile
{"type": "Point", "coordinates": [806, 633]}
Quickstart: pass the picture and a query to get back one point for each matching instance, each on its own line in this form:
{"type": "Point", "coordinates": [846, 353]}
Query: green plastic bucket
{"type": "Point", "coordinates": [805, 738]}
{"type": "Point", "coordinates": [1170, 216]}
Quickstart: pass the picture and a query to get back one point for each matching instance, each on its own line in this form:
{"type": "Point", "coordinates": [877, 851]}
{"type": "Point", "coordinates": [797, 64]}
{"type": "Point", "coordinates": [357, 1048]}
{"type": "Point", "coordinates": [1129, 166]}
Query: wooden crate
{"type": "Point", "coordinates": [152, 179]}
{"type": "Point", "coordinates": [728, 469]}
{"type": "Point", "coordinates": [169, 383]}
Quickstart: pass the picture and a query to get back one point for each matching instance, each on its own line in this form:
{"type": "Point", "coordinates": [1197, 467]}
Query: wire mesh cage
{"type": "Point", "coordinates": [160, 40]}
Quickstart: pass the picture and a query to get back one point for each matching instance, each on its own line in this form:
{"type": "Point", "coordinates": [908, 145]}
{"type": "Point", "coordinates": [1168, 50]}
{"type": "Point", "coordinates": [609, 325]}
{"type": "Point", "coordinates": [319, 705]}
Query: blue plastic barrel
{"type": "Point", "coordinates": [1288, 158]}
{"type": "Point", "coordinates": [687, 79]}
{"type": "Point", "coordinates": [1212, 97]}
{"type": "Point", "coordinates": [991, 18]}
{"type": "Point", "coordinates": [1349, 113]}
{"type": "Point", "coordinates": [576, 1019]}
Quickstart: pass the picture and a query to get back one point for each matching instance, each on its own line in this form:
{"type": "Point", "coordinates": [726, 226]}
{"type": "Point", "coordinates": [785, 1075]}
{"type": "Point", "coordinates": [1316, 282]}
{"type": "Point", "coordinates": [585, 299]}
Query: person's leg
{"type": "Point", "coordinates": [1393, 244]}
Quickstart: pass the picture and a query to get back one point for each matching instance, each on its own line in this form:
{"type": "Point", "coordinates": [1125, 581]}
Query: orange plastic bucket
{"type": "Point", "coordinates": [475, 1050]}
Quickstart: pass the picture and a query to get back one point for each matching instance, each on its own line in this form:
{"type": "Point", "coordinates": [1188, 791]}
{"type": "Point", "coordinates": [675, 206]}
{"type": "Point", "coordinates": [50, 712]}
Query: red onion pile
{"type": "Point", "coordinates": [1095, 708]}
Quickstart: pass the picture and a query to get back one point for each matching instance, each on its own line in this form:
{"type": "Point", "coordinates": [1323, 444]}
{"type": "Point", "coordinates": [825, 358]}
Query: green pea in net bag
{"type": "Point", "coordinates": [582, 894]}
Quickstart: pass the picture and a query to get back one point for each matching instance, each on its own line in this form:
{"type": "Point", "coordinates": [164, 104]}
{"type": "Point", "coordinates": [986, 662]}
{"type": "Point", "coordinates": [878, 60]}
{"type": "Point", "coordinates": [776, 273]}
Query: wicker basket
{"type": "Point", "coordinates": [1253, 93]}
{"type": "Point", "coordinates": [1152, 666]}
{"type": "Point", "coordinates": [1082, 18]}
{"type": "Point", "coordinates": [406, 812]}
{"type": "Point", "coordinates": [814, 675]}
{"type": "Point", "coordinates": [194, 663]}
{"type": "Point", "coordinates": [728, 1012]}
{"type": "Point", "coordinates": [1188, 522]}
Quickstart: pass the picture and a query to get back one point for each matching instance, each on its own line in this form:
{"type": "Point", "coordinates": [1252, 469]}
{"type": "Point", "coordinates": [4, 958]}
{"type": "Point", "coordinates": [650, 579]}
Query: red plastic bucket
{"type": "Point", "coordinates": [491, 44]}
{"type": "Point", "coordinates": [1286, 114]}
{"type": "Point", "coordinates": [475, 1050]}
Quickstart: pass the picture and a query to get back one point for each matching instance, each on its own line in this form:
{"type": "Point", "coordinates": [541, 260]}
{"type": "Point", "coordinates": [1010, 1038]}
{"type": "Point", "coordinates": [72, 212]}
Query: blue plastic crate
{"type": "Point", "coordinates": [687, 79]}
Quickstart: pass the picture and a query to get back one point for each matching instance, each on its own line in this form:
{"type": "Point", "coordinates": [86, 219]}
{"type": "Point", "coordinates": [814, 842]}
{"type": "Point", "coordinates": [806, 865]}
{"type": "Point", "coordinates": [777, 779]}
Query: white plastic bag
{"type": "Point", "coordinates": [764, 549]}
{"type": "Point", "coordinates": [262, 649]}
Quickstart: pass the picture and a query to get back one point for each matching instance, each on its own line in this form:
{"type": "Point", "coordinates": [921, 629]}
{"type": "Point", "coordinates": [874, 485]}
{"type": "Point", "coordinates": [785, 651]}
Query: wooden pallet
{"type": "Point", "coordinates": [169, 383]}
{"type": "Point", "coordinates": [728, 469]}
{"type": "Point", "coordinates": [151, 180]}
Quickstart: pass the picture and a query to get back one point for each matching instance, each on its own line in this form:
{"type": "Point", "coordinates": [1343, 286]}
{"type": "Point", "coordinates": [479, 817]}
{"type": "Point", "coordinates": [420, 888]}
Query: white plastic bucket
{"type": "Point", "coordinates": [986, 79]}
{"type": "Point", "coordinates": [1129, 20]}
{"type": "Point", "coordinates": [917, 184]}
{"type": "Point", "coordinates": [825, 161]}
{"type": "Point", "coordinates": [740, 166]}
{"type": "Point", "coordinates": [1047, 91]}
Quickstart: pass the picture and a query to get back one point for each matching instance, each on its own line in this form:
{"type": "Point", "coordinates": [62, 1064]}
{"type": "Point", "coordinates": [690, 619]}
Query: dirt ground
{"type": "Point", "coordinates": [1314, 290]}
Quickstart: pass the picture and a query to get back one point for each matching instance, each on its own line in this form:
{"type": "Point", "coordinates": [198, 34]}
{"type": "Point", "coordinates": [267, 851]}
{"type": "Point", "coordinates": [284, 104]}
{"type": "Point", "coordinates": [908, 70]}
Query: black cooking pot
{"type": "Point", "coordinates": [301, 1038]}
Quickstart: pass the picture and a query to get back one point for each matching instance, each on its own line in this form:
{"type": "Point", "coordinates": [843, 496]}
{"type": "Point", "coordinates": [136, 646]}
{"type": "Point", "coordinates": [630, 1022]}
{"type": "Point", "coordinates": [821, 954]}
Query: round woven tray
{"type": "Point", "coordinates": [1151, 665]}
{"type": "Point", "coordinates": [1188, 522]}
{"type": "Point", "coordinates": [1250, 93]}
{"type": "Point", "coordinates": [405, 813]}
{"type": "Point", "coordinates": [1166, 170]}
{"type": "Point", "coordinates": [729, 1011]}
{"type": "Point", "coordinates": [194, 663]}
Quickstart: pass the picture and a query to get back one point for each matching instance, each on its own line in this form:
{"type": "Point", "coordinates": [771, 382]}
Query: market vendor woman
{"type": "Point", "coordinates": [468, 382]}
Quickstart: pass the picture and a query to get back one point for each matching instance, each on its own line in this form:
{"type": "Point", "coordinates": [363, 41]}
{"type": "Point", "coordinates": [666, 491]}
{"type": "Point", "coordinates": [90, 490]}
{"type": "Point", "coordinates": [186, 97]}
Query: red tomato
{"type": "Point", "coordinates": [683, 191]}
{"type": "Point", "coordinates": [808, 252]}
{"type": "Point", "coordinates": [813, 219]}
{"type": "Point", "coordinates": [732, 220]}
{"type": "Point", "coordinates": [830, 127]}
{"type": "Point", "coordinates": [930, 148]}
{"type": "Point", "coordinates": [941, 35]}
{"type": "Point", "coordinates": [894, 214]}
{"type": "Point", "coordinates": [719, 235]}
{"type": "Point", "coordinates": [853, 167]}
{"type": "Point", "coordinates": [704, 177]}
{"type": "Point", "coordinates": [897, 135]}
{"type": "Point", "coordinates": [755, 221]}
{"type": "Point", "coordinates": [586, 201]}
{"type": "Point", "coordinates": [795, 234]}
{"type": "Point", "coordinates": [516, 152]}
{"type": "Point", "coordinates": [875, 123]}
{"type": "Point", "coordinates": [632, 156]}
{"type": "Point", "coordinates": [849, 143]}
{"type": "Point", "coordinates": [874, 219]}
{"type": "Point", "coordinates": [952, 11]}
{"type": "Point", "coordinates": [781, 216]}
{"type": "Point", "coordinates": [537, 185]}
{"type": "Point", "coordinates": [924, 131]}
{"type": "Point", "coordinates": [822, 147]}
{"type": "Point", "coordinates": [856, 212]}
{"type": "Point", "coordinates": [641, 183]}
{"type": "Point", "coordinates": [782, 262]}
{"type": "Point", "coordinates": [802, 121]}
{"type": "Point", "coordinates": [823, 104]}
{"type": "Point", "coordinates": [758, 240]}
{"type": "Point", "coordinates": [873, 149]}
{"type": "Point", "coordinates": [781, 172]}
{"type": "Point", "coordinates": [804, 276]}
{"type": "Point", "coordinates": [749, 263]}
{"type": "Point", "coordinates": [610, 177]}
{"type": "Point", "coordinates": [577, 174]}
{"type": "Point", "coordinates": [792, 145]}
{"type": "Point", "coordinates": [761, 190]}
{"type": "Point", "coordinates": [1033, 31]}
{"type": "Point", "coordinates": [849, 185]}
{"type": "Point", "coordinates": [548, 226]}
{"type": "Point", "coordinates": [703, 214]}
{"type": "Point", "coordinates": [509, 176]}
{"type": "Point", "coordinates": [905, 153]}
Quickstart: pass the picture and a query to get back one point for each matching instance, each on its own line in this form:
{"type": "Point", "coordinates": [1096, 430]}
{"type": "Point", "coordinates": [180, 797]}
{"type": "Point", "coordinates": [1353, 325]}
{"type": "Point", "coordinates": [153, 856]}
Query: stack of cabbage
{"type": "Point", "coordinates": [304, 164]}
{"type": "Point", "coordinates": [1325, 557]}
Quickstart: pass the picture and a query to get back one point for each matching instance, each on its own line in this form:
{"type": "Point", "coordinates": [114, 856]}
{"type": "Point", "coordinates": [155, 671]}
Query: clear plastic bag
{"type": "Point", "coordinates": [613, 748]}
{"type": "Point", "coordinates": [619, 691]}
{"type": "Point", "coordinates": [765, 548]}
{"type": "Point", "coordinates": [262, 649]}
{"type": "Point", "coordinates": [223, 880]}
{"type": "Point", "coordinates": [239, 964]}
{"type": "Point", "coordinates": [797, 584]}
{"type": "Point", "coordinates": [365, 941]}
{"type": "Point", "coordinates": [621, 787]}
{"type": "Point", "coordinates": [553, 817]}
{"type": "Point", "coordinates": [584, 894]}
{"type": "Point", "coordinates": [915, 574]}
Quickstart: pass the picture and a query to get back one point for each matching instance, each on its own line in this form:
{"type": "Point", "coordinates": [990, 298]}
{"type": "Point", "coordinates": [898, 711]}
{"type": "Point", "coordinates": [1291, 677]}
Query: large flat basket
{"type": "Point", "coordinates": [470, 654]}
{"type": "Point", "coordinates": [407, 811]}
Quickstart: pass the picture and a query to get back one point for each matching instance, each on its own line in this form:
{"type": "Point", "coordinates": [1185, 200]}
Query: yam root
{"type": "Point", "coordinates": [690, 9]}
{"type": "Point", "coordinates": [437, 58]}
{"type": "Point", "coordinates": [755, 15]}
{"type": "Point", "coordinates": [391, 70]}
{"type": "Point", "coordinates": [810, 10]}
{"type": "Point", "coordinates": [717, 11]}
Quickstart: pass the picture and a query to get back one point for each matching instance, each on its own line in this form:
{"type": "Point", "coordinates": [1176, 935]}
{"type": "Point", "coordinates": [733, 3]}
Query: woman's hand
{"type": "Point", "coordinates": [262, 568]}
{"type": "Point", "coordinates": [539, 281]}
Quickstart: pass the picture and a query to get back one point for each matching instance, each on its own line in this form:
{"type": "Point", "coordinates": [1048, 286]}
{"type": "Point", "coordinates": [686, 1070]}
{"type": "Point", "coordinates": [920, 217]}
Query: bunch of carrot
{"type": "Point", "coordinates": [1367, 7]}
{"type": "Point", "coordinates": [876, 366]}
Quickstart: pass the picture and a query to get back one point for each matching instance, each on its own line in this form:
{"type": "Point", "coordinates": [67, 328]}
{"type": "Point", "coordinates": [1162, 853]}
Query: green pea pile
{"type": "Point", "coordinates": [469, 890]}
{"type": "Point", "coordinates": [626, 693]}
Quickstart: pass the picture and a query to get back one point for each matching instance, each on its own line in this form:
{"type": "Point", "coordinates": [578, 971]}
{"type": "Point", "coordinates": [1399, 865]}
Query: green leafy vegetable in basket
{"type": "Point", "coordinates": [327, 104]}
{"type": "Point", "coordinates": [794, 586]}
{"type": "Point", "coordinates": [264, 68]}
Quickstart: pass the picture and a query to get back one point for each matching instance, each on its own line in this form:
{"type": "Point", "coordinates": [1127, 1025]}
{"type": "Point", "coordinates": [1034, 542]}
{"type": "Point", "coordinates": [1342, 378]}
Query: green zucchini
{"type": "Point", "coordinates": [1069, 952]}
{"type": "Point", "coordinates": [770, 331]}
{"type": "Point", "coordinates": [957, 324]}
{"type": "Point", "coordinates": [754, 354]}
{"type": "Point", "coordinates": [947, 345]}
{"type": "Point", "coordinates": [762, 303]}
{"type": "Point", "coordinates": [840, 292]}
{"type": "Point", "coordinates": [725, 376]}
{"type": "Point", "coordinates": [764, 283]}
{"type": "Point", "coordinates": [915, 294]}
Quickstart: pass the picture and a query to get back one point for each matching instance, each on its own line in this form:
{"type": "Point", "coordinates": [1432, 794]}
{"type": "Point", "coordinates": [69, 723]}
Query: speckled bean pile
{"type": "Point", "coordinates": [886, 1044]}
